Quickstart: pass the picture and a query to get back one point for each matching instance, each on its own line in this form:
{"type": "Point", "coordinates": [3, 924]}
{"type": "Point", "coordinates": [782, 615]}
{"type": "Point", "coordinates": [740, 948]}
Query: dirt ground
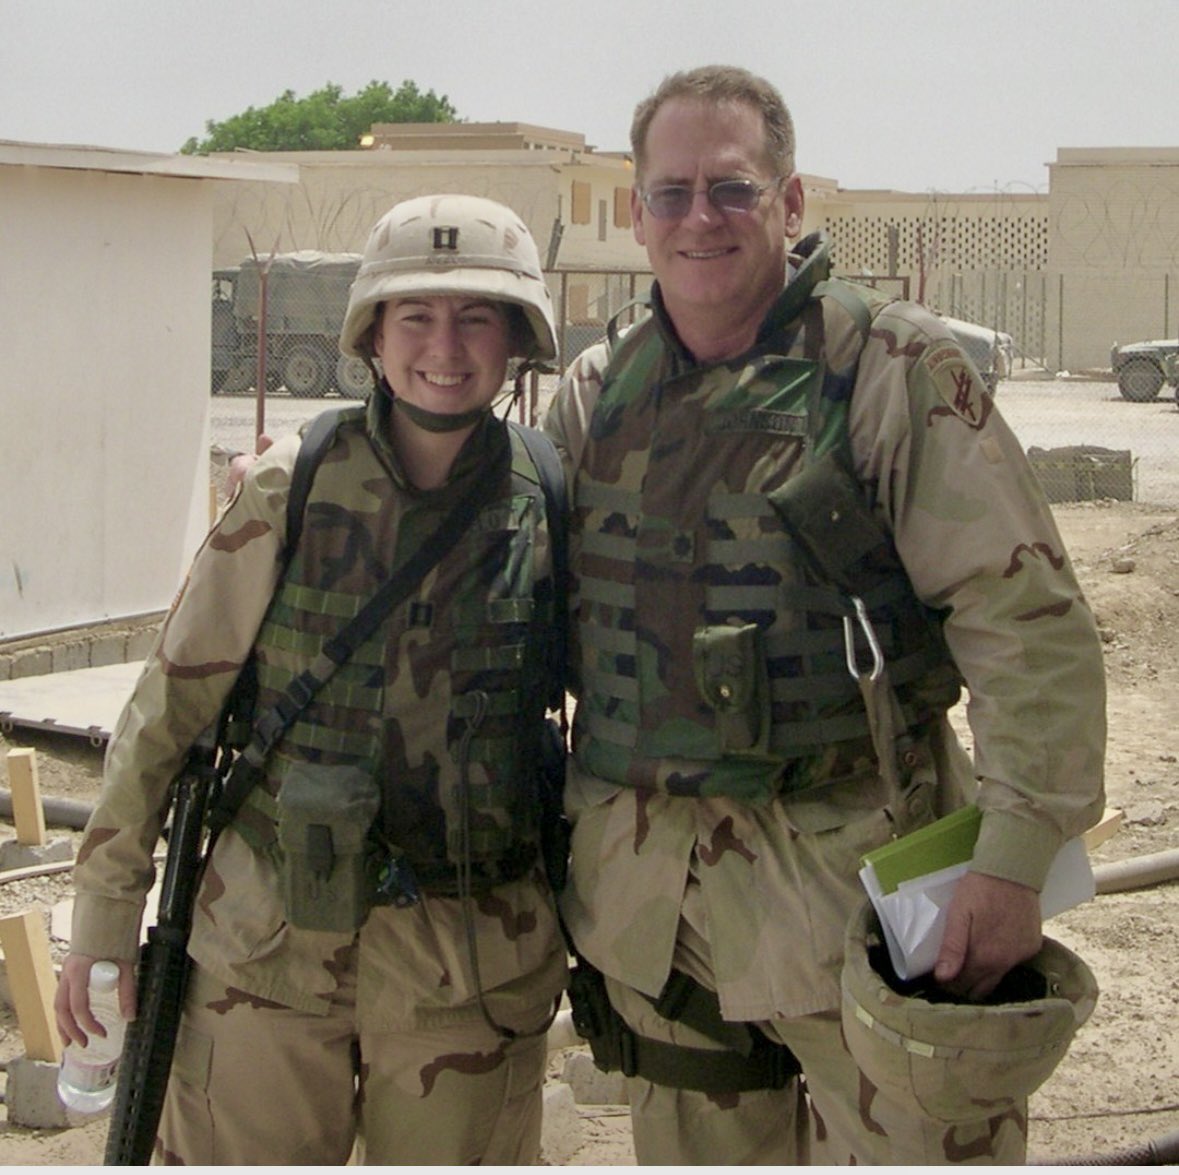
{"type": "Point", "coordinates": [1119, 1084]}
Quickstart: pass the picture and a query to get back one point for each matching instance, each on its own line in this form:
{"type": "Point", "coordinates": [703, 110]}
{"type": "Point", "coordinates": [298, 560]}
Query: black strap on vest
{"type": "Point", "coordinates": [270, 726]}
{"type": "Point", "coordinates": [322, 430]}
{"type": "Point", "coordinates": [543, 453]}
{"type": "Point", "coordinates": [312, 450]}
{"type": "Point", "coordinates": [750, 1060]}
{"type": "Point", "coordinates": [545, 457]}
{"type": "Point", "coordinates": [766, 1063]}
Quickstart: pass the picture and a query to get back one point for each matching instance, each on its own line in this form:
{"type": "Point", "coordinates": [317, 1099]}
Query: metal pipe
{"type": "Point", "coordinates": [1155, 1152]}
{"type": "Point", "coordinates": [1136, 872]}
{"type": "Point", "coordinates": [62, 813]}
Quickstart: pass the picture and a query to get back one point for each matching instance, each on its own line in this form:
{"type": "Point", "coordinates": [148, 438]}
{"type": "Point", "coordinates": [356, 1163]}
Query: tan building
{"type": "Point", "coordinates": [930, 238]}
{"type": "Point", "coordinates": [1093, 262]}
{"type": "Point", "coordinates": [472, 136]}
{"type": "Point", "coordinates": [1114, 247]}
{"type": "Point", "coordinates": [575, 201]}
{"type": "Point", "coordinates": [1067, 273]}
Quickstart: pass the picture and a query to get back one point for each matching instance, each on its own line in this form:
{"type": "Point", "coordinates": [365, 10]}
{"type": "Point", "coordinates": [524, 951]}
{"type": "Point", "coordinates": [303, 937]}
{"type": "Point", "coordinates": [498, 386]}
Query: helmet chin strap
{"type": "Point", "coordinates": [433, 421]}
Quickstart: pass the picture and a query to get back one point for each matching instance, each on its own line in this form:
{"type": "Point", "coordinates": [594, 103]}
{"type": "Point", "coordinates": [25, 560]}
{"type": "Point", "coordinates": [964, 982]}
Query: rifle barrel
{"type": "Point", "coordinates": [163, 976]}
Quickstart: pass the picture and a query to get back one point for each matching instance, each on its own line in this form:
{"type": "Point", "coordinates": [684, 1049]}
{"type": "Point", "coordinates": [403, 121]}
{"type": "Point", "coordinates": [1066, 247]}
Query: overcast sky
{"type": "Point", "coordinates": [918, 95]}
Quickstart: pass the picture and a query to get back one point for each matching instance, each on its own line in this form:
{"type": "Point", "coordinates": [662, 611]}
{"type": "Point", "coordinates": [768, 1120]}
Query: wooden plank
{"type": "Point", "coordinates": [1109, 823]}
{"type": "Point", "coordinates": [27, 814]}
{"type": "Point", "coordinates": [24, 872]}
{"type": "Point", "coordinates": [31, 983]}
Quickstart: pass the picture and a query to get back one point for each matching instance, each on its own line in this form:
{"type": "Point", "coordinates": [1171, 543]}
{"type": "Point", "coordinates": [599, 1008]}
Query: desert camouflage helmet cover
{"type": "Point", "coordinates": [960, 1062]}
{"type": "Point", "coordinates": [449, 244]}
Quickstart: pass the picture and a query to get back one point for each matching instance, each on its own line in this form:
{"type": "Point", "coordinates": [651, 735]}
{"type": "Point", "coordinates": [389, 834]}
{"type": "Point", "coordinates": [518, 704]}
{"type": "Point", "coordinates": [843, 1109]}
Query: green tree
{"type": "Point", "coordinates": [323, 121]}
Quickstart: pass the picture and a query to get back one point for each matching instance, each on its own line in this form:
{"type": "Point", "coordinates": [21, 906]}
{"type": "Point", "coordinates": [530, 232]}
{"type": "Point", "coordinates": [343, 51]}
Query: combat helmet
{"type": "Point", "coordinates": [960, 1062]}
{"type": "Point", "coordinates": [449, 244]}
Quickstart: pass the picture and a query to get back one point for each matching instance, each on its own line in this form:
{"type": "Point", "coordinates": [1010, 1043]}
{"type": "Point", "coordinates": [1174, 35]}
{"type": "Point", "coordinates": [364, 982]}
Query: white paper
{"type": "Point", "coordinates": [1070, 881]}
{"type": "Point", "coordinates": [913, 917]}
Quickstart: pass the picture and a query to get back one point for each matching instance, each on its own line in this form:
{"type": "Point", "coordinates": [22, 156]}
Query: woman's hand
{"type": "Point", "coordinates": [71, 1002]}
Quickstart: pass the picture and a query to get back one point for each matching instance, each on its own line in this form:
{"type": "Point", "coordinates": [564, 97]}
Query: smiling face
{"type": "Point", "coordinates": [719, 272]}
{"type": "Point", "coordinates": [445, 353]}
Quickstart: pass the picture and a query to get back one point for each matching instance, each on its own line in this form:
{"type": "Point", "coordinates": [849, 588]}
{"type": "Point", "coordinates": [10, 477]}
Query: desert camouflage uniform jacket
{"type": "Point", "coordinates": [765, 889]}
{"type": "Point", "coordinates": [404, 959]}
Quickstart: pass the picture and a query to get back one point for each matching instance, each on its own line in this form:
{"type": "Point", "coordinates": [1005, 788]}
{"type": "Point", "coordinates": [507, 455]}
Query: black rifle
{"type": "Point", "coordinates": [163, 968]}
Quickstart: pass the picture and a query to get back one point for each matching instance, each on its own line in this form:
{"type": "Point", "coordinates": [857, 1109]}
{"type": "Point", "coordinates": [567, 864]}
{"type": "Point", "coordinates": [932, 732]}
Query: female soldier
{"type": "Point", "coordinates": [412, 1018]}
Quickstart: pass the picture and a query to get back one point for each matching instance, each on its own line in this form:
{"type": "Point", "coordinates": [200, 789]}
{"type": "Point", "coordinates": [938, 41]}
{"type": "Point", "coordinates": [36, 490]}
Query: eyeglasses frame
{"type": "Point", "coordinates": [760, 189]}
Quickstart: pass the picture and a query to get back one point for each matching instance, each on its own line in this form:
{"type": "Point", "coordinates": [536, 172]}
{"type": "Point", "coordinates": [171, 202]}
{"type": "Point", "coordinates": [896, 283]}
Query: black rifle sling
{"type": "Point", "coordinates": [318, 439]}
{"type": "Point", "coordinates": [269, 727]}
{"type": "Point", "coordinates": [322, 430]}
{"type": "Point", "coordinates": [543, 453]}
{"type": "Point", "coordinates": [312, 450]}
{"type": "Point", "coordinates": [545, 457]}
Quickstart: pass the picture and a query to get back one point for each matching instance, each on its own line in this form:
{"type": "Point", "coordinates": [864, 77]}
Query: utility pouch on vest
{"type": "Point", "coordinates": [731, 675]}
{"type": "Point", "coordinates": [324, 817]}
{"type": "Point", "coordinates": [824, 510]}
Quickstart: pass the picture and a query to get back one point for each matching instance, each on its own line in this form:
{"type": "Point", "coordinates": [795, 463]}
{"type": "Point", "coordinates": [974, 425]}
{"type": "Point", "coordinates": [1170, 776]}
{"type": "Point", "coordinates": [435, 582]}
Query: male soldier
{"type": "Point", "coordinates": [798, 524]}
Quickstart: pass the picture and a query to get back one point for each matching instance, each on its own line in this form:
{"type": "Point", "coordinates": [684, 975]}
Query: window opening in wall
{"type": "Point", "coordinates": [580, 213]}
{"type": "Point", "coordinates": [622, 208]}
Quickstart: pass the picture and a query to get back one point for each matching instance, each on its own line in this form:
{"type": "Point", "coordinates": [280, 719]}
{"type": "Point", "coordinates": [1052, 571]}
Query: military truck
{"type": "Point", "coordinates": [1141, 369]}
{"type": "Point", "coordinates": [991, 351]}
{"type": "Point", "coordinates": [306, 297]}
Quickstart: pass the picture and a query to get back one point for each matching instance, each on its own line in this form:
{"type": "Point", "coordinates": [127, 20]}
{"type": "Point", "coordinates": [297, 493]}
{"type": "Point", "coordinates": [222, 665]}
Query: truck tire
{"type": "Point", "coordinates": [1139, 379]}
{"type": "Point", "coordinates": [305, 371]}
{"type": "Point", "coordinates": [353, 379]}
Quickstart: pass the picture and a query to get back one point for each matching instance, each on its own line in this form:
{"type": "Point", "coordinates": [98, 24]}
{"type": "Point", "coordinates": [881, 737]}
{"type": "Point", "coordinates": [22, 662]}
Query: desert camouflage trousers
{"type": "Point", "coordinates": [834, 1116]}
{"type": "Point", "coordinates": [254, 1082]}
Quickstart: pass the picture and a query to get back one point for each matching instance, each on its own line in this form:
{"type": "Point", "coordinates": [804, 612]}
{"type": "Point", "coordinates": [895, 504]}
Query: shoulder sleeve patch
{"type": "Point", "coordinates": [957, 383]}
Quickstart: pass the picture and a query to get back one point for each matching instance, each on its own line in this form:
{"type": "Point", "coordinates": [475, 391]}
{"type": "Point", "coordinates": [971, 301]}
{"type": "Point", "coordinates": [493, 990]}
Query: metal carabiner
{"type": "Point", "coordinates": [849, 643]}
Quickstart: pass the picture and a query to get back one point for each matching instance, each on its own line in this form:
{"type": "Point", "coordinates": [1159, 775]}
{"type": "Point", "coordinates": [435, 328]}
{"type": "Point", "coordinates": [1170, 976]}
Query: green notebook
{"type": "Point", "coordinates": [945, 842]}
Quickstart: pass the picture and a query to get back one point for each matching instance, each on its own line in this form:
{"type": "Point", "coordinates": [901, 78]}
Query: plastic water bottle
{"type": "Point", "coordinates": [87, 1078]}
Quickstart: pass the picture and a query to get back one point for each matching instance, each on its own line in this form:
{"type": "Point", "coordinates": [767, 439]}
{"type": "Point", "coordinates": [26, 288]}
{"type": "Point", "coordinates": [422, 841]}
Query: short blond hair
{"type": "Point", "coordinates": [720, 84]}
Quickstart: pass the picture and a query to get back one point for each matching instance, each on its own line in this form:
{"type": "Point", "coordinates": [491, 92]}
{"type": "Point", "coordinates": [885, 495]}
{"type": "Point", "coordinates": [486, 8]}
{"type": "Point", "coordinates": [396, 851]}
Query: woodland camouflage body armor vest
{"type": "Point", "coordinates": [439, 701]}
{"type": "Point", "coordinates": [712, 657]}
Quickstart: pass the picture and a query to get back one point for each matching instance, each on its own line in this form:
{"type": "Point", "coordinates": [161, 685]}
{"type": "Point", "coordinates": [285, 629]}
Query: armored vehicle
{"type": "Point", "coordinates": [1141, 369]}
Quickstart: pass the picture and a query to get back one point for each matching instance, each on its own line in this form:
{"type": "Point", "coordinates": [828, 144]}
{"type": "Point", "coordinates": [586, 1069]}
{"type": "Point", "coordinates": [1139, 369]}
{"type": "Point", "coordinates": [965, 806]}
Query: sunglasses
{"type": "Point", "coordinates": [675, 200]}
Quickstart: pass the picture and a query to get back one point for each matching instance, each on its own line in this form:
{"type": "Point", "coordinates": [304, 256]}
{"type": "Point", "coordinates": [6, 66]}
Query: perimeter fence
{"type": "Point", "coordinates": [1088, 441]}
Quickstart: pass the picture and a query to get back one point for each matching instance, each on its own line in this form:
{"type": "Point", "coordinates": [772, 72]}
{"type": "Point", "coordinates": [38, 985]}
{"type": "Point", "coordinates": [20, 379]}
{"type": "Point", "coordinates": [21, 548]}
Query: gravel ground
{"type": "Point", "coordinates": [1053, 413]}
{"type": "Point", "coordinates": [1046, 413]}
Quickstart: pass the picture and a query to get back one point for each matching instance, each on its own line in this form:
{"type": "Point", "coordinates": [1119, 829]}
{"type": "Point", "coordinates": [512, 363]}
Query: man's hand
{"type": "Point", "coordinates": [239, 466]}
{"type": "Point", "coordinates": [71, 1002]}
{"type": "Point", "coordinates": [991, 926]}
